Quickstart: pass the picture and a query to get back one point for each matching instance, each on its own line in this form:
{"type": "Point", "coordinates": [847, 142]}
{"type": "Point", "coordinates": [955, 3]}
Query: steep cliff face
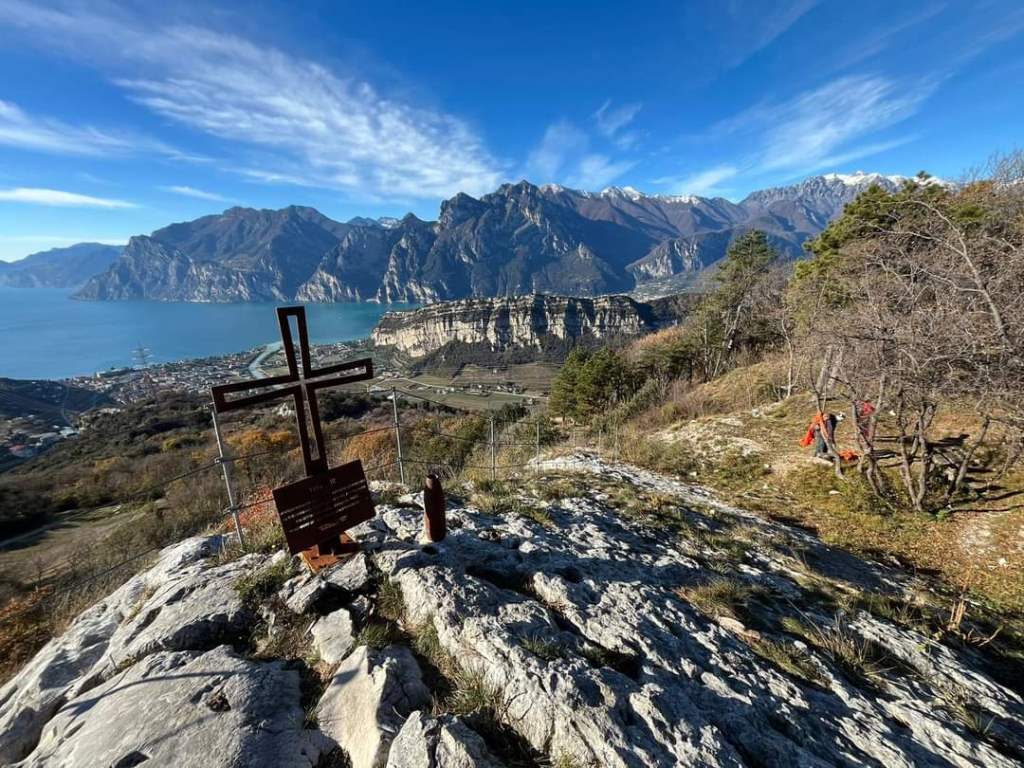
{"type": "Point", "coordinates": [534, 322]}
{"type": "Point", "coordinates": [240, 255]}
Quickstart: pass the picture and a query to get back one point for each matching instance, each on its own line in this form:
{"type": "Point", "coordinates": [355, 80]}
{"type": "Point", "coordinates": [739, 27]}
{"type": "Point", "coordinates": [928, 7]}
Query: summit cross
{"type": "Point", "coordinates": [301, 383]}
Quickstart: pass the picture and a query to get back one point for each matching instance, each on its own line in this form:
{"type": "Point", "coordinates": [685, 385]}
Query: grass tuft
{"type": "Point", "coordinates": [719, 597]}
{"type": "Point", "coordinates": [788, 658]}
{"type": "Point", "coordinates": [379, 634]}
{"type": "Point", "coordinates": [390, 602]}
{"type": "Point", "coordinates": [548, 650]}
{"type": "Point", "coordinates": [861, 659]}
{"type": "Point", "coordinates": [257, 586]}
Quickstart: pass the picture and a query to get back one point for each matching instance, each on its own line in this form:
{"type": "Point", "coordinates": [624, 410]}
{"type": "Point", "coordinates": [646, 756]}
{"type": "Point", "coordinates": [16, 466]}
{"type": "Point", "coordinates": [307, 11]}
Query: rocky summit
{"type": "Point", "coordinates": [589, 614]}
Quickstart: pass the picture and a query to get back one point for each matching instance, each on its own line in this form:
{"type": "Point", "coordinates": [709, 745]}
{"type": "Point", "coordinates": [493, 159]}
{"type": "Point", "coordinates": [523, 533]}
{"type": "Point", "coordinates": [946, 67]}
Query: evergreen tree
{"type": "Point", "coordinates": [562, 400]}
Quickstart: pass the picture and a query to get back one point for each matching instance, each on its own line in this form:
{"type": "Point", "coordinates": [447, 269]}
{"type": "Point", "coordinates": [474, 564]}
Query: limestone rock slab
{"type": "Point", "coordinates": [184, 708]}
{"type": "Point", "coordinates": [333, 636]}
{"type": "Point", "coordinates": [427, 742]}
{"type": "Point", "coordinates": [367, 701]}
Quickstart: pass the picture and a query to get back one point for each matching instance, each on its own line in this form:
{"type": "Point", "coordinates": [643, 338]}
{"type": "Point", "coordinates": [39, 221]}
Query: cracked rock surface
{"type": "Point", "coordinates": [185, 708]}
{"type": "Point", "coordinates": [581, 625]}
{"type": "Point", "coordinates": [589, 631]}
{"type": "Point", "coordinates": [368, 699]}
{"type": "Point", "coordinates": [184, 602]}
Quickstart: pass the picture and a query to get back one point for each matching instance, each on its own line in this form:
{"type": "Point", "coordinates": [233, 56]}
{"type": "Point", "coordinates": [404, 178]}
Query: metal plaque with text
{"type": "Point", "coordinates": [317, 509]}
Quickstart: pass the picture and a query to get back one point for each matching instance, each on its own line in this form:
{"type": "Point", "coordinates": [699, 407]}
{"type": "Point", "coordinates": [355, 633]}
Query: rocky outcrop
{"type": "Point", "coordinates": [517, 240]}
{"type": "Point", "coordinates": [181, 708]}
{"type": "Point", "coordinates": [367, 701]}
{"type": "Point", "coordinates": [427, 742]}
{"type": "Point", "coordinates": [538, 323]}
{"type": "Point", "coordinates": [570, 629]}
{"type": "Point", "coordinates": [584, 628]}
{"type": "Point", "coordinates": [334, 636]}
{"type": "Point", "coordinates": [186, 602]}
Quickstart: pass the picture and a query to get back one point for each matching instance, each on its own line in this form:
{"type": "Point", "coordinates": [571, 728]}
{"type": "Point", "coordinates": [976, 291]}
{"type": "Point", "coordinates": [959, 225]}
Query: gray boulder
{"type": "Point", "coordinates": [333, 636]}
{"type": "Point", "coordinates": [185, 601]}
{"type": "Point", "coordinates": [301, 593]}
{"type": "Point", "coordinates": [367, 701]}
{"type": "Point", "coordinates": [352, 576]}
{"type": "Point", "coordinates": [427, 742]}
{"type": "Point", "coordinates": [581, 630]}
{"type": "Point", "coordinates": [184, 708]}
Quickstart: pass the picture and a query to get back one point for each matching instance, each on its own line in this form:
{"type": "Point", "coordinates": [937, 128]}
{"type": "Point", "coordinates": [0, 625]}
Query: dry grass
{"type": "Point", "coordinates": [862, 660]}
{"type": "Point", "coordinates": [788, 658]}
{"type": "Point", "coordinates": [719, 597]}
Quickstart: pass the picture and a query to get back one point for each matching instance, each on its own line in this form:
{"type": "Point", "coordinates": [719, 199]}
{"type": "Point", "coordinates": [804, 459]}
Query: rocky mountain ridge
{"type": "Point", "coordinates": [517, 240]}
{"type": "Point", "coordinates": [69, 267]}
{"type": "Point", "coordinates": [575, 623]}
{"type": "Point", "coordinates": [539, 323]}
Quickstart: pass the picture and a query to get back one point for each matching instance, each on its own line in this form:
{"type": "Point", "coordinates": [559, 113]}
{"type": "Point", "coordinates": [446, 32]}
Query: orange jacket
{"type": "Point", "coordinates": [819, 422]}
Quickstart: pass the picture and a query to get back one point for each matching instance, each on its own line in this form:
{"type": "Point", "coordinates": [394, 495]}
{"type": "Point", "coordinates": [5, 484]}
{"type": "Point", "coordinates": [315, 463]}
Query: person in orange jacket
{"type": "Point", "coordinates": [821, 432]}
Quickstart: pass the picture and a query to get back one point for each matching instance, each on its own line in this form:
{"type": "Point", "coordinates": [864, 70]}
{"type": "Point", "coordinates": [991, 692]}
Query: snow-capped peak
{"type": "Point", "coordinates": [860, 178]}
{"type": "Point", "coordinates": [630, 193]}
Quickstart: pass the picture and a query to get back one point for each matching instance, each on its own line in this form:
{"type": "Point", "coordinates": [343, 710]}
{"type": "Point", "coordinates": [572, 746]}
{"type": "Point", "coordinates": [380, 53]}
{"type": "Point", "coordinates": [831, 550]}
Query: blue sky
{"type": "Point", "coordinates": [118, 118]}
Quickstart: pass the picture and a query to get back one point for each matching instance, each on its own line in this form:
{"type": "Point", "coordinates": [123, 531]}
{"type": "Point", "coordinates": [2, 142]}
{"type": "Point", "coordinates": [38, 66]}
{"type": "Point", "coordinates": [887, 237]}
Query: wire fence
{"type": "Point", "coordinates": [479, 453]}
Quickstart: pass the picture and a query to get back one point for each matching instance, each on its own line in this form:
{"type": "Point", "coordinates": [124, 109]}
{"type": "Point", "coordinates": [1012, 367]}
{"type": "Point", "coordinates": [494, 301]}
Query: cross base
{"type": "Point", "coordinates": [327, 553]}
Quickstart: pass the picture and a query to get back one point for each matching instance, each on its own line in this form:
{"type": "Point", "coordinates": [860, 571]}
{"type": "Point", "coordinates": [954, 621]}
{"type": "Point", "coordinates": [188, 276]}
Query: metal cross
{"type": "Point", "coordinates": [301, 383]}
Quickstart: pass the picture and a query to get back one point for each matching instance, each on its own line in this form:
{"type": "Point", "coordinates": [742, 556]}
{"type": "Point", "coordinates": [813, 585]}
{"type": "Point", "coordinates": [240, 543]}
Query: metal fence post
{"type": "Point", "coordinates": [226, 466]}
{"type": "Point", "coordinates": [536, 458]}
{"type": "Point", "coordinates": [398, 434]}
{"type": "Point", "coordinates": [494, 473]}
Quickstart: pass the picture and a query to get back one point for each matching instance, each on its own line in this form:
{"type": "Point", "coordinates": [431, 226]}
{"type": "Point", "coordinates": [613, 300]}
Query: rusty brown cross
{"type": "Point", "coordinates": [301, 383]}
{"type": "Point", "coordinates": [315, 512]}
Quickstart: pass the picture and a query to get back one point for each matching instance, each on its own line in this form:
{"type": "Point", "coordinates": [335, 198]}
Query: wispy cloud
{"type": "Point", "coordinates": [826, 125]}
{"type": "Point", "coordinates": [595, 171]}
{"type": "Point", "coordinates": [333, 130]}
{"type": "Point", "coordinates": [43, 134]}
{"type": "Point", "coordinates": [565, 154]}
{"type": "Point", "coordinates": [756, 25]}
{"type": "Point", "coordinates": [706, 182]}
{"type": "Point", "coordinates": [611, 122]}
{"type": "Point", "coordinates": [56, 197]}
{"type": "Point", "coordinates": [561, 140]}
{"type": "Point", "coordinates": [199, 194]}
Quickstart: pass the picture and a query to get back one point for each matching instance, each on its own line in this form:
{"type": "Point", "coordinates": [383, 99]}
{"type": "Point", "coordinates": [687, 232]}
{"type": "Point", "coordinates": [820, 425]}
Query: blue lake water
{"type": "Point", "coordinates": [44, 334]}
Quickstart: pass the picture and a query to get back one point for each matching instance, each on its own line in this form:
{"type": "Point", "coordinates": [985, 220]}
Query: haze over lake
{"type": "Point", "coordinates": [47, 335]}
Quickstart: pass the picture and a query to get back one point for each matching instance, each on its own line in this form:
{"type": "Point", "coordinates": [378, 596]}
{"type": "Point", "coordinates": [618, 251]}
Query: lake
{"type": "Point", "coordinates": [47, 335]}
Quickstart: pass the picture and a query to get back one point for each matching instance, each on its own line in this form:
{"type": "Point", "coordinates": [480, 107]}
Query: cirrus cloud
{"type": "Point", "coordinates": [332, 130]}
{"type": "Point", "coordinates": [199, 194]}
{"type": "Point", "coordinates": [60, 198]}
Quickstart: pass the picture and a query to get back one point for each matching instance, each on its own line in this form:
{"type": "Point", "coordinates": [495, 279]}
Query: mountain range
{"type": "Point", "coordinates": [517, 240]}
{"type": "Point", "coordinates": [59, 267]}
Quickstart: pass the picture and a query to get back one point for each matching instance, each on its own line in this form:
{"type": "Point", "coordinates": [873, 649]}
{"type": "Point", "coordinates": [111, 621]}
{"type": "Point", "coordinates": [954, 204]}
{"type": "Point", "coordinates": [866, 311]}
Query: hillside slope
{"type": "Point", "coordinates": [596, 615]}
